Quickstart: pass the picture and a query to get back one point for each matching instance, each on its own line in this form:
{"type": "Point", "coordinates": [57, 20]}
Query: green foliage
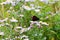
{"type": "Point", "coordinates": [46, 14]}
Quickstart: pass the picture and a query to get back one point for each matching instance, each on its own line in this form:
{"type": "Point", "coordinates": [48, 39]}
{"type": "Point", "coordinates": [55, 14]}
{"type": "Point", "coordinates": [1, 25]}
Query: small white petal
{"type": "Point", "coordinates": [1, 33]}
{"type": "Point", "coordinates": [1, 20]}
{"type": "Point", "coordinates": [37, 10]}
{"type": "Point", "coordinates": [21, 15]}
{"type": "Point", "coordinates": [26, 39]}
{"type": "Point", "coordinates": [13, 20]}
{"type": "Point", "coordinates": [24, 36]}
{"type": "Point", "coordinates": [26, 7]}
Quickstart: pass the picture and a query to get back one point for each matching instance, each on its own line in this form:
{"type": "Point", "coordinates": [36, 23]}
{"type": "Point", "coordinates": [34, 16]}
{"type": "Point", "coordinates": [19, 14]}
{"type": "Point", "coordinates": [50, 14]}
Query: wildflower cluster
{"type": "Point", "coordinates": [16, 20]}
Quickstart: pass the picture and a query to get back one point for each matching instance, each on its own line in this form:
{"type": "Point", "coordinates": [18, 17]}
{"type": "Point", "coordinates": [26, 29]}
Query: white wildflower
{"type": "Point", "coordinates": [31, 21]}
{"type": "Point", "coordinates": [5, 19]}
{"type": "Point", "coordinates": [1, 20]}
{"type": "Point", "coordinates": [26, 7]}
{"type": "Point", "coordinates": [37, 10]}
{"type": "Point", "coordinates": [8, 2]}
{"type": "Point", "coordinates": [2, 33]}
{"type": "Point", "coordinates": [32, 8]}
{"type": "Point", "coordinates": [29, 0]}
{"type": "Point", "coordinates": [46, 1]}
{"type": "Point", "coordinates": [17, 36]}
{"type": "Point", "coordinates": [32, 5]}
{"type": "Point", "coordinates": [18, 28]}
{"type": "Point", "coordinates": [13, 3]}
{"type": "Point", "coordinates": [26, 0]}
{"type": "Point", "coordinates": [21, 15]}
{"type": "Point", "coordinates": [24, 37]}
{"type": "Point", "coordinates": [23, 30]}
{"type": "Point", "coordinates": [32, 0]}
{"type": "Point", "coordinates": [3, 3]}
{"type": "Point", "coordinates": [39, 7]}
{"type": "Point", "coordinates": [13, 20]}
{"type": "Point", "coordinates": [7, 24]}
{"type": "Point", "coordinates": [18, 0]}
{"type": "Point", "coordinates": [11, 7]}
{"type": "Point", "coordinates": [40, 22]}
{"type": "Point", "coordinates": [2, 25]}
{"type": "Point", "coordinates": [44, 23]}
{"type": "Point", "coordinates": [34, 22]}
{"type": "Point", "coordinates": [28, 28]}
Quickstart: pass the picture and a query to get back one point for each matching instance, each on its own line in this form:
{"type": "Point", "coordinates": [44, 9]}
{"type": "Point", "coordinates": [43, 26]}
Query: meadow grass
{"type": "Point", "coordinates": [16, 20]}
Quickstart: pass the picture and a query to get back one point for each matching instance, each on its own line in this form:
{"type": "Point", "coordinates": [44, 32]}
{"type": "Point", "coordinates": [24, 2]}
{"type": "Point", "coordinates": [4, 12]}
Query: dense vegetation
{"type": "Point", "coordinates": [16, 20]}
